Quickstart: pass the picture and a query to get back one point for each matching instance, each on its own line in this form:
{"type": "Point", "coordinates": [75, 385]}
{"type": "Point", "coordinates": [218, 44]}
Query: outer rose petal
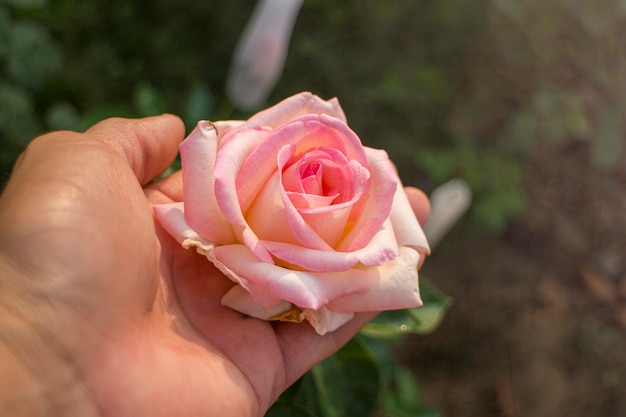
{"type": "Point", "coordinates": [304, 289]}
{"type": "Point", "coordinates": [225, 171]}
{"type": "Point", "coordinates": [198, 153]}
{"type": "Point", "coordinates": [326, 320]}
{"type": "Point", "coordinates": [395, 287]}
{"type": "Point", "coordinates": [294, 107]}
{"type": "Point", "coordinates": [405, 224]}
{"type": "Point", "coordinates": [323, 320]}
{"type": "Point", "coordinates": [172, 218]}
{"type": "Point", "coordinates": [225, 126]}
{"type": "Point", "coordinates": [240, 299]}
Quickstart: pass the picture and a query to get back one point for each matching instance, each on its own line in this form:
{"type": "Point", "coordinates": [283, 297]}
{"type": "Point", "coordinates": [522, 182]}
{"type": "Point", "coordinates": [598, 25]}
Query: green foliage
{"type": "Point", "coordinates": [346, 384]}
{"type": "Point", "coordinates": [28, 57]}
{"type": "Point", "coordinates": [420, 320]}
{"type": "Point", "coordinates": [496, 77]}
{"type": "Point", "coordinates": [364, 377]}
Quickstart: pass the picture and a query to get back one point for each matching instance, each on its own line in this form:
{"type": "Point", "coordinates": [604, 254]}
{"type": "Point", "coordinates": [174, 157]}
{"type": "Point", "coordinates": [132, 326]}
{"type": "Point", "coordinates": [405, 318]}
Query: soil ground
{"type": "Point", "coordinates": [538, 325]}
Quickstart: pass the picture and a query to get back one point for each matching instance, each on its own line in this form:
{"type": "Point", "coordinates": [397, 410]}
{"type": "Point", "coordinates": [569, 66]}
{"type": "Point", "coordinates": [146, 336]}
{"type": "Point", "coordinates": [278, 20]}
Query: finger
{"type": "Point", "coordinates": [149, 144]}
{"type": "Point", "coordinates": [167, 190]}
{"type": "Point", "coordinates": [419, 202]}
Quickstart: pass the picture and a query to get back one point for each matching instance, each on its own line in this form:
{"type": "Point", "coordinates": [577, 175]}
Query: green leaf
{"type": "Point", "coordinates": [346, 384]}
{"type": "Point", "coordinates": [420, 320]}
{"type": "Point", "coordinates": [289, 409]}
{"type": "Point", "coordinates": [403, 396]}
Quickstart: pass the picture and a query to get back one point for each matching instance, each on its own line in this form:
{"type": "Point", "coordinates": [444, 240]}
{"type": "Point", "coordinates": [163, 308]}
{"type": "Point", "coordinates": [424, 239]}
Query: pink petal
{"type": "Point", "coordinates": [239, 299]}
{"type": "Point", "coordinates": [326, 320]}
{"type": "Point", "coordinates": [198, 153]}
{"type": "Point", "coordinates": [294, 107]}
{"type": "Point", "coordinates": [382, 248]}
{"type": "Point", "coordinates": [307, 201]}
{"type": "Point", "coordinates": [267, 217]}
{"type": "Point", "coordinates": [320, 228]}
{"type": "Point", "coordinates": [374, 207]}
{"type": "Point", "coordinates": [405, 225]}
{"type": "Point", "coordinates": [323, 320]}
{"type": "Point", "coordinates": [395, 287]}
{"type": "Point", "coordinates": [172, 218]}
{"type": "Point", "coordinates": [304, 289]}
{"type": "Point", "coordinates": [223, 127]}
{"type": "Point", "coordinates": [260, 164]}
{"type": "Point", "coordinates": [303, 232]}
{"type": "Point", "coordinates": [231, 156]}
{"type": "Point", "coordinates": [307, 132]}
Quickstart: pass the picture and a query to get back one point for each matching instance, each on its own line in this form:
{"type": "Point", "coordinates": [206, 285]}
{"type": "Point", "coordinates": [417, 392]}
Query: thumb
{"type": "Point", "coordinates": [149, 144]}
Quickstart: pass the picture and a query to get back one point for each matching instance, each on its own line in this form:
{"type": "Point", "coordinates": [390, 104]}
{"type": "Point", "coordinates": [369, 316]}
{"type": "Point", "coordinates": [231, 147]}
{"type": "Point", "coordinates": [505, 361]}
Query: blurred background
{"type": "Point", "coordinates": [525, 101]}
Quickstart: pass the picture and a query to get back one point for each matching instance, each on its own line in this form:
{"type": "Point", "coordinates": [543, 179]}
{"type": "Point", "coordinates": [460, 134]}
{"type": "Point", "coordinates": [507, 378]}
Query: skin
{"type": "Point", "coordinates": [103, 314]}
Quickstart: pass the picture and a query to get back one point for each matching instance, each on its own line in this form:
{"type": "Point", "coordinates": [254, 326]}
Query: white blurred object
{"type": "Point", "coordinates": [259, 57]}
{"type": "Point", "coordinates": [448, 202]}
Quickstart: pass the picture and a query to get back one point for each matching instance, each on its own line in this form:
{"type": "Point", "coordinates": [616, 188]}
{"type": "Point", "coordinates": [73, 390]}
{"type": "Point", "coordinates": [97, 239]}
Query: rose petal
{"type": "Point", "coordinates": [239, 299]}
{"type": "Point", "coordinates": [198, 153]}
{"type": "Point", "coordinates": [308, 132]}
{"type": "Point", "coordinates": [260, 164]}
{"type": "Point", "coordinates": [269, 205]}
{"type": "Point", "coordinates": [225, 171]}
{"type": "Point", "coordinates": [323, 320]}
{"type": "Point", "coordinates": [320, 228]}
{"type": "Point", "coordinates": [306, 201]}
{"type": "Point", "coordinates": [405, 225]}
{"type": "Point", "coordinates": [395, 287]}
{"type": "Point", "coordinates": [294, 107]}
{"type": "Point", "coordinates": [304, 289]}
{"type": "Point", "coordinates": [302, 231]}
{"type": "Point", "coordinates": [326, 320]}
{"type": "Point", "coordinates": [322, 171]}
{"type": "Point", "coordinates": [225, 126]}
{"type": "Point", "coordinates": [382, 248]}
{"type": "Point", "coordinates": [172, 218]}
{"type": "Point", "coordinates": [374, 206]}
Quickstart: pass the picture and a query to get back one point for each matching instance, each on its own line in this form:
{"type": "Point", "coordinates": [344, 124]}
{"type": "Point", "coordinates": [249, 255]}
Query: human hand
{"type": "Point", "coordinates": [103, 313]}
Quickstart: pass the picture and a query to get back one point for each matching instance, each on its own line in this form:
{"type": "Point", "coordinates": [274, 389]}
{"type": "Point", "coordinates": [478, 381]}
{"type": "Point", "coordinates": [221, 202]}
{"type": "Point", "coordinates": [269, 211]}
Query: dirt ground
{"type": "Point", "coordinates": [538, 326]}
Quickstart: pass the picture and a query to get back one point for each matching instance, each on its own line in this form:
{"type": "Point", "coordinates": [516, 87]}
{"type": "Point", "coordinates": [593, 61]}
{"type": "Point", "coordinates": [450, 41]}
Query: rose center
{"type": "Point", "coordinates": [321, 172]}
{"type": "Point", "coordinates": [313, 180]}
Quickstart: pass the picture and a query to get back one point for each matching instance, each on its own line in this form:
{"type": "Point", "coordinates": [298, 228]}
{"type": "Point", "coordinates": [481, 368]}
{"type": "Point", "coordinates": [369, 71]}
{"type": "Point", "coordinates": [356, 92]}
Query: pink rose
{"type": "Point", "coordinates": [305, 220]}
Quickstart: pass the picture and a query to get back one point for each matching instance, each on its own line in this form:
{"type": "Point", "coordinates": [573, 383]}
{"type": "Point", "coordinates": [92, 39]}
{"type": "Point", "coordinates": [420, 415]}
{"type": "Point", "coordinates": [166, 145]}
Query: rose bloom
{"type": "Point", "coordinates": [307, 222]}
